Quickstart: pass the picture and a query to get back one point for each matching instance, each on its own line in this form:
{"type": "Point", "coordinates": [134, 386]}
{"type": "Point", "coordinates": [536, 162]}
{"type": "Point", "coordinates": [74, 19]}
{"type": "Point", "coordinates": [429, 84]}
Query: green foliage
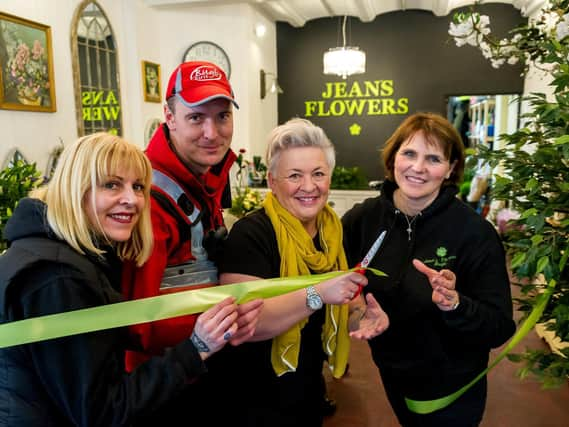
{"type": "Point", "coordinates": [469, 172]}
{"type": "Point", "coordinates": [245, 201]}
{"type": "Point", "coordinates": [536, 183]}
{"type": "Point", "coordinates": [16, 181]}
{"type": "Point", "coordinates": [344, 178]}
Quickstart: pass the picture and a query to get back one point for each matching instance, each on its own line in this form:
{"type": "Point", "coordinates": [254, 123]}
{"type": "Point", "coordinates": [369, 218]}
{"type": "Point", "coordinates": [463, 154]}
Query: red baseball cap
{"type": "Point", "coordinates": [197, 82]}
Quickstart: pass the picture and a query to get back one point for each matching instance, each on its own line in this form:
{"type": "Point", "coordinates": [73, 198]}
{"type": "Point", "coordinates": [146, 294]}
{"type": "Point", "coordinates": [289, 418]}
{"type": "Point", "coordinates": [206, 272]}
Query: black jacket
{"type": "Point", "coordinates": [431, 352]}
{"type": "Point", "coordinates": [80, 379]}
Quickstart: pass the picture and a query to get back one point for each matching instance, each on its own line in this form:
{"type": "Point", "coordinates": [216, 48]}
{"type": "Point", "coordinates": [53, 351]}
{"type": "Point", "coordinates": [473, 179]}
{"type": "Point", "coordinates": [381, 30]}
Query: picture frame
{"type": "Point", "coordinates": [151, 81]}
{"type": "Point", "coordinates": [149, 129]}
{"type": "Point", "coordinates": [26, 65]}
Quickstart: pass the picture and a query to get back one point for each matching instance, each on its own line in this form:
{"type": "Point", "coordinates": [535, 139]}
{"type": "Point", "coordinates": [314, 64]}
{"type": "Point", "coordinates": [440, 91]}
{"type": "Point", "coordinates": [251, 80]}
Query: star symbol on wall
{"type": "Point", "coordinates": [355, 129]}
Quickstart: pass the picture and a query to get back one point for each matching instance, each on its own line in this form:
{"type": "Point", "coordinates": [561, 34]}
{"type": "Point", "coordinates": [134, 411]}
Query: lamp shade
{"type": "Point", "coordinates": [344, 61]}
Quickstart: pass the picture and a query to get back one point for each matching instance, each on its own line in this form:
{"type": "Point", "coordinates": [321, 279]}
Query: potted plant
{"type": "Point", "coordinates": [535, 181]}
{"type": "Point", "coordinates": [16, 181]}
{"type": "Point", "coordinates": [345, 178]}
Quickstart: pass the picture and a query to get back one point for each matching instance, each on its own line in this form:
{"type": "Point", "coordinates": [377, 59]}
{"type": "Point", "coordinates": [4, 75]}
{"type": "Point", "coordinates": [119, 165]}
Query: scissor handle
{"type": "Point", "coordinates": [360, 287]}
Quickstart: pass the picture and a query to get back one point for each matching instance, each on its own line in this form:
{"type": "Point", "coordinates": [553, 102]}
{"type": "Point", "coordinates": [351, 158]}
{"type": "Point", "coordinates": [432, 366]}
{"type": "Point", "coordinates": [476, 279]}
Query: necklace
{"type": "Point", "coordinates": [398, 204]}
{"type": "Point", "coordinates": [409, 224]}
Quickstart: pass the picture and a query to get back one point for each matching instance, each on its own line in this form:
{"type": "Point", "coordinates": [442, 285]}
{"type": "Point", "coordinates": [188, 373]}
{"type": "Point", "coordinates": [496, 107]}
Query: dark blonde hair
{"type": "Point", "coordinates": [82, 166]}
{"type": "Point", "coordinates": [438, 131]}
{"type": "Point", "coordinates": [298, 133]}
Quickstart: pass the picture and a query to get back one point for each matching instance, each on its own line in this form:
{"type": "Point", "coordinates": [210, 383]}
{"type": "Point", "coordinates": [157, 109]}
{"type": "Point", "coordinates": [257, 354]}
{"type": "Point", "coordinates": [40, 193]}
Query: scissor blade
{"type": "Point", "coordinates": [373, 250]}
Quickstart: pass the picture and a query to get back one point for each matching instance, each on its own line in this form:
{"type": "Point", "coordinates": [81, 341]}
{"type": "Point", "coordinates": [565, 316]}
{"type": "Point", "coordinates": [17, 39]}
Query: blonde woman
{"type": "Point", "coordinates": [67, 244]}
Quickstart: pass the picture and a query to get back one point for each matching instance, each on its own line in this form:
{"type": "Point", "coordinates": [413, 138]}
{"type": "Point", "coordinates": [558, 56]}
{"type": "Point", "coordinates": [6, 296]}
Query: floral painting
{"type": "Point", "coordinates": [26, 78]}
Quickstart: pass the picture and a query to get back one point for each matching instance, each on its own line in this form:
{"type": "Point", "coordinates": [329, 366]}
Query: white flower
{"type": "Point", "coordinates": [549, 21]}
{"type": "Point", "coordinates": [484, 24]}
{"type": "Point", "coordinates": [461, 32]}
{"type": "Point", "coordinates": [512, 60]}
{"type": "Point", "coordinates": [471, 30]}
{"type": "Point", "coordinates": [486, 50]}
{"type": "Point", "coordinates": [562, 29]}
{"type": "Point", "coordinates": [496, 63]}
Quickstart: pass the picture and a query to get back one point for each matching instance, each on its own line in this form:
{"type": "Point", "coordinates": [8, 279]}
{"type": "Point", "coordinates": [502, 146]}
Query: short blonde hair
{"type": "Point", "coordinates": [82, 166]}
{"type": "Point", "coordinates": [298, 133]}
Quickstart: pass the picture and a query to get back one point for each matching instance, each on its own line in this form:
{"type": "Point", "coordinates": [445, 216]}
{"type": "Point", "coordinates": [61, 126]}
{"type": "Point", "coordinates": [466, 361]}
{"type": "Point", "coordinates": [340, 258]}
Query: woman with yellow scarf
{"type": "Point", "coordinates": [295, 233]}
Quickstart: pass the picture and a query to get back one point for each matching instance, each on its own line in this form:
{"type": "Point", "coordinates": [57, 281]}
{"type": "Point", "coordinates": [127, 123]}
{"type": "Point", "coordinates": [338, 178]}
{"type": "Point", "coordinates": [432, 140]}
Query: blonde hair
{"type": "Point", "coordinates": [82, 166]}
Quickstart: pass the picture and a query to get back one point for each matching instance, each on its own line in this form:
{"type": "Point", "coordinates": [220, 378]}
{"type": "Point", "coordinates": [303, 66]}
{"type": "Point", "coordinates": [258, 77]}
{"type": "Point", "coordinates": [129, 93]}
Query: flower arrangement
{"type": "Point", "coordinates": [247, 199]}
{"type": "Point", "coordinates": [28, 72]}
{"type": "Point", "coordinates": [535, 181]}
{"type": "Point", "coordinates": [542, 41]}
{"type": "Point", "coordinates": [255, 172]}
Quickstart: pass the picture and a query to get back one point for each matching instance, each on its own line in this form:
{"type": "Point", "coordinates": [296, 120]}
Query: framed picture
{"type": "Point", "coordinates": [26, 65]}
{"type": "Point", "coordinates": [151, 81]}
{"type": "Point", "coordinates": [149, 129]}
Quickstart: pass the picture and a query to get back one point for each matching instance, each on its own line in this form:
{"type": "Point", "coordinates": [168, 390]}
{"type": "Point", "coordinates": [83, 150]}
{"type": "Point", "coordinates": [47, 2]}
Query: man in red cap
{"type": "Point", "coordinates": [191, 157]}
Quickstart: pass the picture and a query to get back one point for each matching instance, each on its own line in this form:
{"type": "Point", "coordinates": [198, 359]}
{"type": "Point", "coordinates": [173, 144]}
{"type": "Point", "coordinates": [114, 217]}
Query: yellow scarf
{"type": "Point", "coordinates": [300, 257]}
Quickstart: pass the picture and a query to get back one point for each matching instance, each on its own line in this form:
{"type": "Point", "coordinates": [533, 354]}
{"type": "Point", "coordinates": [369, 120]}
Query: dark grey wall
{"type": "Point", "coordinates": [412, 49]}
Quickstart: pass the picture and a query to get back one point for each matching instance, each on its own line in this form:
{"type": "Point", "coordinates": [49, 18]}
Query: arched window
{"type": "Point", "coordinates": [95, 73]}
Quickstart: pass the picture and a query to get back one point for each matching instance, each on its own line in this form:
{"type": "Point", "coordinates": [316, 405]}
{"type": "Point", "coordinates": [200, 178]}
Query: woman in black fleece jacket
{"type": "Point", "coordinates": [67, 244]}
{"type": "Point", "coordinates": [447, 292]}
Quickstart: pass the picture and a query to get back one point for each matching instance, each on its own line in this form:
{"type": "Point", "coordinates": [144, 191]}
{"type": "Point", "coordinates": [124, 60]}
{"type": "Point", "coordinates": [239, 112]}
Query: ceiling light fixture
{"type": "Point", "coordinates": [345, 60]}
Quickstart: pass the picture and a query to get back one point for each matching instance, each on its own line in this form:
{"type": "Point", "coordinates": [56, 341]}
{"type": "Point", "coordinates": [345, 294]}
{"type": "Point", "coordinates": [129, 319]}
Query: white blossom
{"type": "Point", "coordinates": [469, 31]}
{"type": "Point", "coordinates": [496, 63]}
{"type": "Point", "coordinates": [512, 60]}
{"type": "Point", "coordinates": [486, 50]}
{"type": "Point", "coordinates": [549, 20]}
{"type": "Point", "coordinates": [562, 29]}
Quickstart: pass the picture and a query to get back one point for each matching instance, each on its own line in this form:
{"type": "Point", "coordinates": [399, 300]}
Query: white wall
{"type": "Point", "coordinates": [159, 35]}
{"type": "Point", "coordinates": [35, 134]}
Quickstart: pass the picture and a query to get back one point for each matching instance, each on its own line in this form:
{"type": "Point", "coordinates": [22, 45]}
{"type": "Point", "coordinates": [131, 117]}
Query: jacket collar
{"type": "Point", "coordinates": [446, 195]}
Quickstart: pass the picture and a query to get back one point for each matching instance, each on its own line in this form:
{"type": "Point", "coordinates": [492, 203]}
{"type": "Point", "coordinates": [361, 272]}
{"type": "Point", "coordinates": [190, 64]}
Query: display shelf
{"type": "Point", "coordinates": [340, 200]}
{"type": "Point", "coordinates": [482, 122]}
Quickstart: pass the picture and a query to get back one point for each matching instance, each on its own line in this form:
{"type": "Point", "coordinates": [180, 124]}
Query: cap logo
{"type": "Point", "coordinates": [205, 73]}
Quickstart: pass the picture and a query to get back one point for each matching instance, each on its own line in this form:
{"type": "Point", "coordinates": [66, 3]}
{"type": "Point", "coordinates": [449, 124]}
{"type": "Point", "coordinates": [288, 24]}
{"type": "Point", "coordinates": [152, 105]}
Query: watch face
{"type": "Point", "coordinates": [208, 51]}
{"type": "Point", "coordinates": [313, 299]}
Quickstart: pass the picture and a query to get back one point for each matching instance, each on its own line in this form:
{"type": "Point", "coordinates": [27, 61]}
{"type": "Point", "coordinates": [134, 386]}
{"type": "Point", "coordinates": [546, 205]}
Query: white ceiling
{"type": "Point", "coordinates": [297, 12]}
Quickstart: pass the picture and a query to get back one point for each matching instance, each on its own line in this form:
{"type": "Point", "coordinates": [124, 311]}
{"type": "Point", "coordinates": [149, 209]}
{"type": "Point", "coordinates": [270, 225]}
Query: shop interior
{"type": "Point", "coordinates": [107, 70]}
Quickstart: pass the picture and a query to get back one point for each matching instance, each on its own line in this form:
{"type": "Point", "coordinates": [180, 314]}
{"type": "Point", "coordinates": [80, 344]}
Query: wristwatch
{"type": "Point", "coordinates": [313, 299]}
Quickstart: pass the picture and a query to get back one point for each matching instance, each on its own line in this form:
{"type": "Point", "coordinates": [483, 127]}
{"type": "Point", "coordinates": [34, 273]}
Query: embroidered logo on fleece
{"type": "Point", "coordinates": [441, 260]}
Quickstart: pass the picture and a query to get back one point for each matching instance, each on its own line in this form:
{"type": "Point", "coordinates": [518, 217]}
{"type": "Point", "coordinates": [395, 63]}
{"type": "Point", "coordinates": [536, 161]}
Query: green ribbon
{"type": "Point", "coordinates": [428, 406]}
{"type": "Point", "coordinates": [148, 309]}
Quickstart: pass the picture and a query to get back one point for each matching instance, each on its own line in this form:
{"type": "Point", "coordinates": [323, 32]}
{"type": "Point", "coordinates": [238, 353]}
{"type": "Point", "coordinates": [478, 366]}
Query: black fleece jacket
{"type": "Point", "coordinates": [432, 352]}
{"type": "Point", "coordinates": [77, 380]}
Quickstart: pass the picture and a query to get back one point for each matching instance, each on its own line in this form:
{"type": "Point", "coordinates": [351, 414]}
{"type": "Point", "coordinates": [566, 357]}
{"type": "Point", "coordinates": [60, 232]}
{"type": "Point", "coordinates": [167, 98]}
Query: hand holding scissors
{"type": "Point", "coordinates": [369, 256]}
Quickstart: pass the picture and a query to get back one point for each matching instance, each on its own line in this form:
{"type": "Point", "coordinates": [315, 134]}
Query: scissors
{"type": "Point", "coordinates": [369, 256]}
